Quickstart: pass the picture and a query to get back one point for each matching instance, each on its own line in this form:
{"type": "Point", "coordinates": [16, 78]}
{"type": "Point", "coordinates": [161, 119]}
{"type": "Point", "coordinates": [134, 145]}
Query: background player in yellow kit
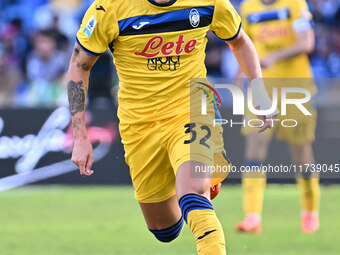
{"type": "Point", "coordinates": [283, 36]}
{"type": "Point", "coordinates": [158, 48]}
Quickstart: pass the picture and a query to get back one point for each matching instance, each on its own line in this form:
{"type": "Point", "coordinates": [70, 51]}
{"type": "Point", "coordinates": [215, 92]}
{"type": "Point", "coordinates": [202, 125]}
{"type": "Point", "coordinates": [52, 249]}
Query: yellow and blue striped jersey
{"type": "Point", "coordinates": [273, 27]}
{"type": "Point", "coordinates": [156, 48]}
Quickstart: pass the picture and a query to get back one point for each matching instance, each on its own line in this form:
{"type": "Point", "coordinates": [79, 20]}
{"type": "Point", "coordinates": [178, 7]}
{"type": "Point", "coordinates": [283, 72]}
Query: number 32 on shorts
{"type": "Point", "coordinates": [190, 128]}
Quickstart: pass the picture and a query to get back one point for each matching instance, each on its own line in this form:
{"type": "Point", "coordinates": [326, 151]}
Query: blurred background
{"type": "Point", "coordinates": [36, 42]}
{"type": "Point", "coordinates": [37, 37]}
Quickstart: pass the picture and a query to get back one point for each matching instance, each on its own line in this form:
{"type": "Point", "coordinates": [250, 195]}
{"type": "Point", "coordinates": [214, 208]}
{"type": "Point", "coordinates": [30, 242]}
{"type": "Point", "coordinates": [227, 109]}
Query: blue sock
{"type": "Point", "coordinates": [168, 234]}
{"type": "Point", "coordinates": [191, 202]}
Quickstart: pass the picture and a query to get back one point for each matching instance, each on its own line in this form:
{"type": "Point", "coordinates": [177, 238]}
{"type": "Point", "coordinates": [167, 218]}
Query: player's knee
{"type": "Point", "coordinates": [185, 184]}
{"type": "Point", "coordinates": [256, 147]}
{"type": "Point", "coordinates": [168, 234]}
{"type": "Point", "coordinates": [302, 154]}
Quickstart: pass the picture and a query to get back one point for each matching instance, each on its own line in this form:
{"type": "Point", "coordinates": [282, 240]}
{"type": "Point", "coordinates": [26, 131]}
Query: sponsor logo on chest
{"type": "Point", "coordinates": [157, 46]}
{"type": "Point", "coordinates": [269, 32]}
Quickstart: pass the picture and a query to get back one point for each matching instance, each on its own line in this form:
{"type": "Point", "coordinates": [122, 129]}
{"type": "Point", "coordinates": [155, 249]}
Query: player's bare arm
{"type": "Point", "coordinates": [78, 80]}
{"type": "Point", "coordinates": [247, 58]}
{"type": "Point", "coordinates": [304, 45]}
{"type": "Point", "coordinates": [246, 55]}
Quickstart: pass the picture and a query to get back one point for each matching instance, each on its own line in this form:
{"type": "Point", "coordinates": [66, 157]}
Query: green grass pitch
{"type": "Point", "coordinates": [107, 221]}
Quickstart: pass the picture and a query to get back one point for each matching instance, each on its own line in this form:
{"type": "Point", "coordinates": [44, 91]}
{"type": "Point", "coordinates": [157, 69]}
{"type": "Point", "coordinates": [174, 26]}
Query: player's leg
{"type": "Point", "coordinates": [164, 219]}
{"type": "Point", "coordinates": [189, 151]}
{"type": "Point", "coordinates": [300, 139]}
{"type": "Point", "coordinates": [193, 194]}
{"type": "Point", "coordinates": [155, 191]}
{"type": "Point", "coordinates": [309, 186]}
{"type": "Point", "coordinates": [153, 179]}
{"type": "Point", "coordinates": [192, 143]}
{"type": "Point", "coordinates": [253, 184]}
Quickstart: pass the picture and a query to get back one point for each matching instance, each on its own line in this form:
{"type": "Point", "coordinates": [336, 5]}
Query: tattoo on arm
{"type": "Point", "coordinates": [85, 67]}
{"type": "Point", "coordinates": [76, 97]}
{"type": "Point", "coordinates": [75, 124]}
{"type": "Point", "coordinates": [76, 53]}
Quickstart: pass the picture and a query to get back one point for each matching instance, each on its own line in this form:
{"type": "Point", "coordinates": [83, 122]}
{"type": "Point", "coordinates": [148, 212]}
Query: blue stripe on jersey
{"type": "Point", "coordinates": [279, 14]}
{"type": "Point", "coordinates": [164, 17]}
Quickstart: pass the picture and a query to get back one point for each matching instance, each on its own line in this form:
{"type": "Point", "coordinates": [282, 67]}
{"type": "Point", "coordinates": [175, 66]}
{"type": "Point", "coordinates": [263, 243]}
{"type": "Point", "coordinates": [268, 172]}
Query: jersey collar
{"type": "Point", "coordinates": [270, 3]}
{"type": "Point", "coordinates": [171, 2]}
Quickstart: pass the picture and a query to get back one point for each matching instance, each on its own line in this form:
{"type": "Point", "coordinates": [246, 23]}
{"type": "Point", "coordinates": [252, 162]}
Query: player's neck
{"type": "Point", "coordinates": [162, 1]}
{"type": "Point", "coordinates": [268, 1]}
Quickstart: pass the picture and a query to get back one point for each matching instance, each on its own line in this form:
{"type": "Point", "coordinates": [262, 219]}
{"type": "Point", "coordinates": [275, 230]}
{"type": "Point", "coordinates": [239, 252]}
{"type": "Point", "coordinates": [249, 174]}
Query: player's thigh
{"type": "Point", "coordinates": [161, 215]}
{"type": "Point", "coordinates": [302, 154]}
{"type": "Point", "coordinates": [301, 132]}
{"type": "Point", "coordinates": [151, 172]}
{"type": "Point", "coordinates": [256, 146]}
{"type": "Point", "coordinates": [191, 150]}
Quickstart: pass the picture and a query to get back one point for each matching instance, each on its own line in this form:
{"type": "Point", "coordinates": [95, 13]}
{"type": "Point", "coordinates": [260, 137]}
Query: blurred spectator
{"type": "Point", "coordinates": [101, 82]}
{"type": "Point", "coordinates": [214, 52]}
{"type": "Point", "coordinates": [325, 11]}
{"type": "Point", "coordinates": [326, 58]}
{"type": "Point", "coordinates": [46, 66]}
{"type": "Point", "coordinates": [59, 37]}
{"type": "Point", "coordinates": [31, 73]}
{"type": "Point", "coordinates": [8, 81]}
{"type": "Point", "coordinates": [13, 46]}
{"type": "Point", "coordinates": [45, 62]}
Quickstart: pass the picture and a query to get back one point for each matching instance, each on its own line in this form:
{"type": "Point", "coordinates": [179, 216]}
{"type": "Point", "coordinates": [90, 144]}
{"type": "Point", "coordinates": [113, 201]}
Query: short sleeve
{"type": "Point", "coordinates": [226, 22]}
{"type": "Point", "coordinates": [300, 10]}
{"type": "Point", "coordinates": [301, 16]}
{"type": "Point", "coordinates": [98, 29]}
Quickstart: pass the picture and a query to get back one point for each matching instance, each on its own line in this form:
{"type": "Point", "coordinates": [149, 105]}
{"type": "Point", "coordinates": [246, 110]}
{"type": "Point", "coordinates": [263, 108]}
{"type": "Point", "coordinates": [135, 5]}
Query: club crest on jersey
{"type": "Point", "coordinates": [88, 30]}
{"type": "Point", "coordinates": [194, 18]}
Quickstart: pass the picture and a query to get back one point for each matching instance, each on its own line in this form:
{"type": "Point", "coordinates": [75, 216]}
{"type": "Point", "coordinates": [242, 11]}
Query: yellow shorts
{"type": "Point", "coordinates": [154, 151]}
{"type": "Point", "coordinates": [304, 131]}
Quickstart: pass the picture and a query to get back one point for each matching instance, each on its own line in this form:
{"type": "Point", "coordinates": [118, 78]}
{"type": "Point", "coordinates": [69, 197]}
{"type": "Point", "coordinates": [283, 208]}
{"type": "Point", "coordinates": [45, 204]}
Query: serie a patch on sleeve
{"type": "Point", "coordinates": [88, 30]}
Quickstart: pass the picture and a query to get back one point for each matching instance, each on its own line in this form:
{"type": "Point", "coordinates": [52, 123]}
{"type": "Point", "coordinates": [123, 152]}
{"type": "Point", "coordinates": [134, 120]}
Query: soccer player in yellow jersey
{"type": "Point", "coordinates": [158, 48]}
{"type": "Point", "coordinates": [282, 34]}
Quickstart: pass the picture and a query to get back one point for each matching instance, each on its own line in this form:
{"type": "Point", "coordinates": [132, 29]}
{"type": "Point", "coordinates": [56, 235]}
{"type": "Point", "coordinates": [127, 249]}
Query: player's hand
{"type": "Point", "coordinates": [263, 101]}
{"type": "Point", "coordinates": [82, 156]}
{"type": "Point", "coordinates": [267, 61]}
{"type": "Point", "coordinates": [268, 122]}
